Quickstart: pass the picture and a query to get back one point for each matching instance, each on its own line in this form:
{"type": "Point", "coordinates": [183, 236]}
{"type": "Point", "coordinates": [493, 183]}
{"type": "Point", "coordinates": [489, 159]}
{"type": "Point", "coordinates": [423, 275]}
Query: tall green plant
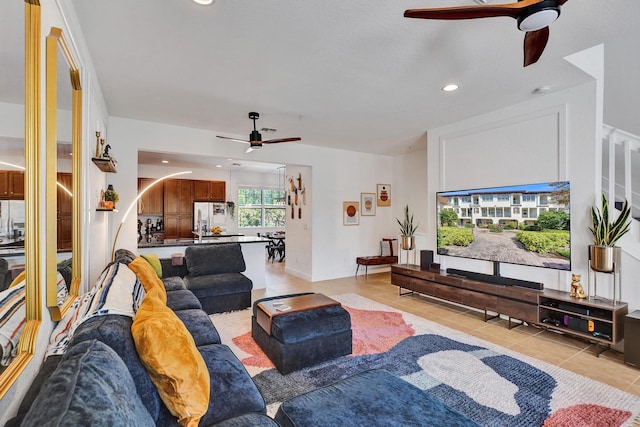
{"type": "Point", "coordinates": [607, 233]}
{"type": "Point", "coordinates": [406, 226]}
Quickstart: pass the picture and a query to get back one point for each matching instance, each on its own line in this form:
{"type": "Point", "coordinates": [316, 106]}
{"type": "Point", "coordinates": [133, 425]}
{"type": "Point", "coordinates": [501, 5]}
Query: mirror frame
{"type": "Point", "coordinates": [27, 344]}
{"type": "Point", "coordinates": [55, 40]}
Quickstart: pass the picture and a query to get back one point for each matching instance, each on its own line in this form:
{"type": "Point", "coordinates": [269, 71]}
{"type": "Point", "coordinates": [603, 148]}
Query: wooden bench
{"type": "Point", "coordinates": [377, 259]}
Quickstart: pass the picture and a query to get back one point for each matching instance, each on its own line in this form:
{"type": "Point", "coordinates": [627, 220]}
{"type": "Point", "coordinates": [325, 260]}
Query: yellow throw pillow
{"type": "Point", "coordinates": [19, 278]}
{"type": "Point", "coordinates": [155, 263]}
{"type": "Point", "coordinates": [148, 277]}
{"type": "Point", "coordinates": [171, 358]}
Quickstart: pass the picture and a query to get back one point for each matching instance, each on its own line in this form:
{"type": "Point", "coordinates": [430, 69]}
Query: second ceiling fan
{"type": "Point", "coordinates": [533, 16]}
{"type": "Point", "coordinates": [255, 138]}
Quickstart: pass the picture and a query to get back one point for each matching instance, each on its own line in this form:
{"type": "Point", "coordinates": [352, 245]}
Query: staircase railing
{"type": "Point", "coordinates": [621, 167]}
{"type": "Point", "coordinates": [621, 178]}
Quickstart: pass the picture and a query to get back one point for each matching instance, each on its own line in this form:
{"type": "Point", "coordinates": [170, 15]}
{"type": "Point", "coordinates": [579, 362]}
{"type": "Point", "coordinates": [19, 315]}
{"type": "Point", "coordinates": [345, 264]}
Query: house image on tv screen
{"type": "Point", "coordinates": [523, 224]}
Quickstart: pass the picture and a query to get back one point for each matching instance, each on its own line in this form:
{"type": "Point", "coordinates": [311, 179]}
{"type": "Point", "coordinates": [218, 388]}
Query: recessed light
{"type": "Point", "coordinates": [218, 166]}
{"type": "Point", "coordinates": [165, 161]}
{"type": "Point", "coordinates": [205, 2]}
{"type": "Point", "coordinates": [450, 87]}
{"type": "Point", "coordinates": [541, 90]}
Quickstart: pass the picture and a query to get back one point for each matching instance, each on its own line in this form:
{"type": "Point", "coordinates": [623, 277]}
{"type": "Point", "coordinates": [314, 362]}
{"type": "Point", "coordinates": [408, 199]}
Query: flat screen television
{"type": "Point", "coordinates": [517, 224]}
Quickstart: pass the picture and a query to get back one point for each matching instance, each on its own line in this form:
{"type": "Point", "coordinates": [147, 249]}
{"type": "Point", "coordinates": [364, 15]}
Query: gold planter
{"type": "Point", "coordinates": [408, 243]}
{"type": "Point", "coordinates": [604, 258]}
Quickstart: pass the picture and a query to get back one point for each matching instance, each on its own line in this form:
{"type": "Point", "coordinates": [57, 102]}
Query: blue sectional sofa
{"type": "Point", "coordinates": [94, 374]}
{"type": "Point", "coordinates": [100, 379]}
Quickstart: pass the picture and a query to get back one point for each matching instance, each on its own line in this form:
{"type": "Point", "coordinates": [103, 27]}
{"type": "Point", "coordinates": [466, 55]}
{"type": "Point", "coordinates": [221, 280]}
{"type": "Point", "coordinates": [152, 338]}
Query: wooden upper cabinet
{"type": "Point", "coordinates": [178, 196]}
{"type": "Point", "coordinates": [218, 190]}
{"type": "Point", "coordinates": [4, 184]}
{"type": "Point", "coordinates": [209, 191]}
{"type": "Point", "coordinates": [178, 208]}
{"type": "Point", "coordinates": [12, 185]}
{"type": "Point", "coordinates": [151, 202]}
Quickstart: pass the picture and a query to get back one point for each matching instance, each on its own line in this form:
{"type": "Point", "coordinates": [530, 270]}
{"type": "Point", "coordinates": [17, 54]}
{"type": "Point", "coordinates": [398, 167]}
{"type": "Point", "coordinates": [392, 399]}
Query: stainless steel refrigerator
{"type": "Point", "coordinates": [208, 214]}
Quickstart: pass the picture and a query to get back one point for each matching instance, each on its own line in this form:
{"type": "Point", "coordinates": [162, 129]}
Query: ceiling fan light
{"type": "Point", "coordinates": [204, 2]}
{"type": "Point", "coordinates": [539, 19]}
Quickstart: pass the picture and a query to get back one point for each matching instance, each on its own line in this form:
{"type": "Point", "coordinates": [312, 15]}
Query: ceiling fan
{"type": "Point", "coordinates": [533, 16]}
{"type": "Point", "coordinates": [255, 139]}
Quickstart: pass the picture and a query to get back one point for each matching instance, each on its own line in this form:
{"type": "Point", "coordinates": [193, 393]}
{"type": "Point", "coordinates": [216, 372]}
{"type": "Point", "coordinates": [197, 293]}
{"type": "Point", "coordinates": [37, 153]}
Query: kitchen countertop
{"type": "Point", "coordinates": [209, 240]}
{"type": "Point", "coordinates": [11, 246]}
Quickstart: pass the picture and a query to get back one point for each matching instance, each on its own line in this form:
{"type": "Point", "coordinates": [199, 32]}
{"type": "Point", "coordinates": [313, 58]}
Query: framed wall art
{"type": "Point", "coordinates": [350, 213]}
{"type": "Point", "coordinates": [367, 204]}
{"type": "Point", "coordinates": [383, 195]}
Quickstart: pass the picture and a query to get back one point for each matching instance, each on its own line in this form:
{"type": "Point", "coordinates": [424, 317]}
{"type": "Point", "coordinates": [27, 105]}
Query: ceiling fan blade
{"type": "Point", "coordinates": [471, 12]}
{"type": "Point", "coordinates": [561, 2]}
{"type": "Point", "coordinates": [534, 44]}
{"type": "Point", "coordinates": [233, 139]}
{"type": "Point", "coordinates": [274, 141]}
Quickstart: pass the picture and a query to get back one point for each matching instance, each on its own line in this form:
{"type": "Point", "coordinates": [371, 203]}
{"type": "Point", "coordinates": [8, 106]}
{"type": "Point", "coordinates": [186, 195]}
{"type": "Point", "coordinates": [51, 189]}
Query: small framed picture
{"type": "Point", "coordinates": [367, 204]}
{"type": "Point", "coordinates": [384, 195]}
{"type": "Point", "coordinates": [350, 213]}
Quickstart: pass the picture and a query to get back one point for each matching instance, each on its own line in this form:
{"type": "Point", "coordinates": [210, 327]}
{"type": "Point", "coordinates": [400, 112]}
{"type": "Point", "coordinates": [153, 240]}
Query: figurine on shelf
{"type": "Point", "coordinates": [105, 154]}
{"type": "Point", "coordinates": [98, 144]}
{"type": "Point", "coordinates": [576, 288]}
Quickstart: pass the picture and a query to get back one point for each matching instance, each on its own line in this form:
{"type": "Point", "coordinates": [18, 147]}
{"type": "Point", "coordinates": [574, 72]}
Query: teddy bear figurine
{"type": "Point", "coordinates": [576, 287]}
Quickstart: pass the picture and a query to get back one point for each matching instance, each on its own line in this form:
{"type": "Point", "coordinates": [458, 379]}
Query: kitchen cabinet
{"type": "Point", "coordinates": [152, 201]}
{"type": "Point", "coordinates": [178, 208]}
{"type": "Point", "coordinates": [209, 191]}
{"type": "Point", "coordinates": [64, 221]}
{"type": "Point", "coordinates": [12, 185]}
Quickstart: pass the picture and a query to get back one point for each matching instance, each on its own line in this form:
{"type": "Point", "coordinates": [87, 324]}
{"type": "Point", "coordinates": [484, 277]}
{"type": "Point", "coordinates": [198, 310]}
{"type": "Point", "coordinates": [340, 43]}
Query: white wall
{"type": "Point", "coordinates": [299, 241]}
{"type": "Point", "coordinates": [410, 188]}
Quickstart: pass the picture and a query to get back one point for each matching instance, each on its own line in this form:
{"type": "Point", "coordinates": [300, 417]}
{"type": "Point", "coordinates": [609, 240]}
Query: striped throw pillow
{"type": "Point", "coordinates": [12, 321]}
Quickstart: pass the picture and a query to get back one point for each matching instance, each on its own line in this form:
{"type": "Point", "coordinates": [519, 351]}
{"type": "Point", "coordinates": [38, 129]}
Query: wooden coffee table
{"type": "Point", "coordinates": [269, 309]}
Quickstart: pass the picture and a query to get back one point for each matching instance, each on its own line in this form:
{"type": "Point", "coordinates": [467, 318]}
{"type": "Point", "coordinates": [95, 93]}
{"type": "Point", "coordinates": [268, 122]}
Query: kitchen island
{"type": "Point", "coordinates": [253, 251]}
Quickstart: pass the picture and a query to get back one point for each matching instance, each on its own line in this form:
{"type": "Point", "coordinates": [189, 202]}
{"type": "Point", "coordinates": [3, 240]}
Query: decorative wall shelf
{"type": "Point", "coordinates": [105, 164]}
{"type": "Point", "coordinates": [106, 210]}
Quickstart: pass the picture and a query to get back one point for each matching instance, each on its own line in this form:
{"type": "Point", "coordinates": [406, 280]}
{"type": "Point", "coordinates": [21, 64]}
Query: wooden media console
{"type": "Point", "coordinates": [599, 321]}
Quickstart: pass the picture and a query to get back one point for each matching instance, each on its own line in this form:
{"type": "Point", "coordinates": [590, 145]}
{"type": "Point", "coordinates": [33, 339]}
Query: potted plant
{"type": "Point", "coordinates": [231, 208]}
{"type": "Point", "coordinates": [603, 253]}
{"type": "Point", "coordinates": [111, 197]}
{"type": "Point", "coordinates": [407, 230]}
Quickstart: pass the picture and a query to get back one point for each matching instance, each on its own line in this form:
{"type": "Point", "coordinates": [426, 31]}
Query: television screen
{"type": "Point", "coordinates": [517, 224]}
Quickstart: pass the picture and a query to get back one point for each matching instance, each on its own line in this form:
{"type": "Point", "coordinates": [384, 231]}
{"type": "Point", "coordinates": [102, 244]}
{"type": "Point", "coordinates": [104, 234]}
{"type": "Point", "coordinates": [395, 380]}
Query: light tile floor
{"type": "Point", "coordinates": [570, 353]}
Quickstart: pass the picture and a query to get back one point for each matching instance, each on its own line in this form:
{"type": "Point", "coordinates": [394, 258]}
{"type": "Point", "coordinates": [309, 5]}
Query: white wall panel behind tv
{"type": "Point", "coordinates": [504, 153]}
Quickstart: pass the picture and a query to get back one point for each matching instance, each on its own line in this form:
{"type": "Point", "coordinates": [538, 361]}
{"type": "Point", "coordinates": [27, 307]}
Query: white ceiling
{"type": "Point", "coordinates": [177, 160]}
{"type": "Point", "coordinates": [353, 74]}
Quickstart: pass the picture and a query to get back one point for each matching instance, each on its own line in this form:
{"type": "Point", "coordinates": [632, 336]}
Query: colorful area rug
{"type": "Point", "coordinates": [490, 384]}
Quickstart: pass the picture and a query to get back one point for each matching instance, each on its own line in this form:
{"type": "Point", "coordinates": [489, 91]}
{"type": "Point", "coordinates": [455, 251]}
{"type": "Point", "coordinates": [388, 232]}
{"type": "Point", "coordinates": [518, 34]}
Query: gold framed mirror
{"type": "Point", "coordinates": [64, 110]}
{"type": "Point", "coordinates": [33, 313]}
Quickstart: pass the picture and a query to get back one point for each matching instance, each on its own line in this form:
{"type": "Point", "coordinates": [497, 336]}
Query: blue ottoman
{"type": "Point", "coordinates": [369, 399]}
{"type": "Point", "coordinates": [303, 338]}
